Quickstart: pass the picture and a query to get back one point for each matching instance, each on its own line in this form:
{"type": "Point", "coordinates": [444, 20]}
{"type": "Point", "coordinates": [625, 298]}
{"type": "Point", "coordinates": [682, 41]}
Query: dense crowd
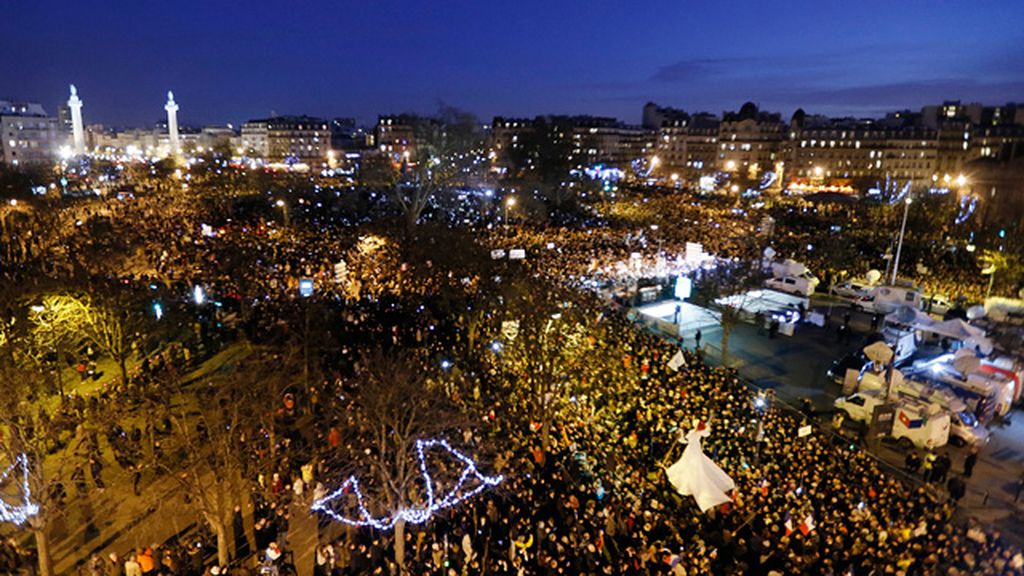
{"type": "Point", "coordinates": [590, 497]}
{"type": "Point", "coordinates": [596, 501]}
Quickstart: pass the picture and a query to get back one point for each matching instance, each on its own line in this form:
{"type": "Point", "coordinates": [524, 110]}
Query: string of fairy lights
{"type": "Point", "coordinates": [413, 515]}
{"type": "Point", "coordinates": [18, 514]}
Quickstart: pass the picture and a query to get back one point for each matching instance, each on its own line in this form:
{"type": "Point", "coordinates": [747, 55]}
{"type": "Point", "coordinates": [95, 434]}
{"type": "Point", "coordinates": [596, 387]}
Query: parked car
{"type": "Point", "coordinates": [936, 304]}
{"type": "Point", "coordinates": [851, 289]}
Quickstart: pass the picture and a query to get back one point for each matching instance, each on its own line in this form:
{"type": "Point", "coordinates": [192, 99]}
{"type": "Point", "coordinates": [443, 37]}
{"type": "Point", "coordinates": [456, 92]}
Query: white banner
{"type": "Point", "coordinates": [677, 361]}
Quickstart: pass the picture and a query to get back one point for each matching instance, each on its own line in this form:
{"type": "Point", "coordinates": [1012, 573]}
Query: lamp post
{"type": "Point", "coordinates": [899, 246]}
{"type": "Point", "coordinates": [284, 208]}
{"type": "Point", "coordinates": [509, 202]}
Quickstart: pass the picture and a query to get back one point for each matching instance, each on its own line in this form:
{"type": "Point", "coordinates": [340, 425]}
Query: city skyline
{"type": "Point", "coordinates": [362, 61]}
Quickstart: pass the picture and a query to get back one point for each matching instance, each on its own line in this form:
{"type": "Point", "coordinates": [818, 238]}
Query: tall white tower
{"type": "Point", "coordinates": [172, 123]}
{"type": "Point", "coordinates": [78, 133]}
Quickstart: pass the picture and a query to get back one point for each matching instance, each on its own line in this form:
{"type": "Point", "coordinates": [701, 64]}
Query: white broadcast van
{"type": "Point", "coordinates": [886, 299]}
{"type": "Point", "coordinates": [914, 424]}
{"type": "Point", "coordinates": [791, 285]}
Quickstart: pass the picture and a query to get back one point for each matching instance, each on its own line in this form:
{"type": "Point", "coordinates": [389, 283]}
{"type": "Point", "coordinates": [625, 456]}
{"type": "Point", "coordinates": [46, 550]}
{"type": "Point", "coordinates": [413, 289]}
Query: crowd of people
{"type": "Point", "coordinates": [596, 500]}
{"type": "Point", "coordinates": [584, 492]}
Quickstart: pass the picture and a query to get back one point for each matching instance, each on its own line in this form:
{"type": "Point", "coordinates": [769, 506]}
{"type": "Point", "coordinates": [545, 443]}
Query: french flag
{"type": "Point", "coordinates": [807, 525]}
{"type": "Point", "coordinates": [788, 523]}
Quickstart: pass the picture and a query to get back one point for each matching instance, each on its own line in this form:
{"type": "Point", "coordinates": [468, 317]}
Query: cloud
{"type": "Point", "coordinates": [696, 69]}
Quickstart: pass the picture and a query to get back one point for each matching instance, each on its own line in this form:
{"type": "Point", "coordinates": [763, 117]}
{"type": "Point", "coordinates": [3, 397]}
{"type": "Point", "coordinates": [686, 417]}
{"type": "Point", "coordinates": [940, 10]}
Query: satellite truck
{"type": "Point", "coordinates": [791, 277]}
{"type": "Point", "coordinates": [913, 423]}
{"type": "Point", "coordinates": [886, 299]}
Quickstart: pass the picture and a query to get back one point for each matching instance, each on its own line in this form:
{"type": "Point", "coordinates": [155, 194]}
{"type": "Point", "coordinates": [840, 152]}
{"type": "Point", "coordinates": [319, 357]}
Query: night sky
{"type": "Point", "coordinates": [228, 62]}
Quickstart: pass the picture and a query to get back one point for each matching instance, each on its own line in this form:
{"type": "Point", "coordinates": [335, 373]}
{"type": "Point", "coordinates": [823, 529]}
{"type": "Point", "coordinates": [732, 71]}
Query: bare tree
{"type": "Point", "coordinates": [544, 358]}
{"type": "Point", "coordinates": [40, 432]}
{"type": "Point", "coordinates": [735, 280]}
{"type": "Point", "coordinates": [55, 332]}
{"type": "Point", "coordinates": [214, 424]}
{"type": "Point", "coordinates": [110, 325]}
{"type": "Point", "coordinates": [446, 152]}
{"type": "Point", "coordinates": [396, 405]}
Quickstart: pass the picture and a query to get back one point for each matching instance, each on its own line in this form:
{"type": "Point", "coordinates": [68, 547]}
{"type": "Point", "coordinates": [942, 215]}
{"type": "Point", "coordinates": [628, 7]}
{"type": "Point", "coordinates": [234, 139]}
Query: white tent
{"type": "Point", "coordinates": [957, 329]}
{"type": "Point", "coordinates": [972, 336]}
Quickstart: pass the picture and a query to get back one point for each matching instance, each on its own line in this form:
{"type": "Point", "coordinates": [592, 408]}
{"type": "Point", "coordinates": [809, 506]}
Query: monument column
{"type": "Point", "coordinates": [78, 133]}
{"type": "Point", "coordinates": [172, 123]}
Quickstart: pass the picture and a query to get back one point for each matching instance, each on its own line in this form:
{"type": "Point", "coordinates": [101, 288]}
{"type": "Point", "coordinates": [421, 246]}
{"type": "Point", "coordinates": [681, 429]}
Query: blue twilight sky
{"type": "Point", "coordinates": [230, 61]}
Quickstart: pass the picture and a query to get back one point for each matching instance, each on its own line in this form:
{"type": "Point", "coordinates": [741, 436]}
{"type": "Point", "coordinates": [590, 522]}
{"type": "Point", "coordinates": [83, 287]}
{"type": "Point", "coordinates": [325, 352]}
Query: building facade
{"type": "Point", "coordinates": [686, 145]}
{"type": "Point", "coordinates": [860, 151]}
{"type": "Point", "coordinates": [519, 144]}
{"type": "Point", "coordinates": [287, 139]}
{"type": "Point", "coordinates": [29, 135]}
{"type": "Point", "coordinates": [608, 141]}
{"type": "Point", "coordinates": [750, 142]}
{"type": "Point", "coordinates": [933, 148]}
{"type": "Point", "coordinates": [395, 136]}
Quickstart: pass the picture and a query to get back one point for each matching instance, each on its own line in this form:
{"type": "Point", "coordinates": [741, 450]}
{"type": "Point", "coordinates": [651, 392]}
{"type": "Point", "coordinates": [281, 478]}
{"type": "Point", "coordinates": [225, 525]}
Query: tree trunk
{"type": "Point", "coordinates": [545, 433]}
{"type": "Point", "coordinates": [220, 528]}
{"type": "Point", "coordinates": [122, 365]}
{"type": "Point", "coordinates": [43, 550]}
{"type": "Point", "coordinates": [412, 216]}
{"type": "Point", "coordinates": [400, 546]}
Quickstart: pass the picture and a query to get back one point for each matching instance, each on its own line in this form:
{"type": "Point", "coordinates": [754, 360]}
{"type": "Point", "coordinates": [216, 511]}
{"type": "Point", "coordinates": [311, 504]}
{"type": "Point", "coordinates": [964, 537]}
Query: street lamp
{"type": "Point", "coordinates": [509, 202]}
{"type": "Point", "coordinates": [899, 247]}
{"type": "Point", "coordinates": [284, 208]}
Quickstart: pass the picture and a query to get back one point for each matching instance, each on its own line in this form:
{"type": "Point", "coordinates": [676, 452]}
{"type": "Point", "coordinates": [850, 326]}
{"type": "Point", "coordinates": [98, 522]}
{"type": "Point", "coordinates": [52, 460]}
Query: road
{"type": "Point", "coordinates": [795, 368]}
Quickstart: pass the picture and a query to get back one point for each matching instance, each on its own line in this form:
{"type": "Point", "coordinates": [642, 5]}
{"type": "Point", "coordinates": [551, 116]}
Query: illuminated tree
{"type": "Point", "coordinates": [55, 321]}
{"type": "Point", "coordinates": [42, 429]}
{"type": "Point", "coordinates": [994, 261]}
{"type": "Point", "coordinates": [396, 405]}
{"type": "Point", "coordinates": [107, 324]}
